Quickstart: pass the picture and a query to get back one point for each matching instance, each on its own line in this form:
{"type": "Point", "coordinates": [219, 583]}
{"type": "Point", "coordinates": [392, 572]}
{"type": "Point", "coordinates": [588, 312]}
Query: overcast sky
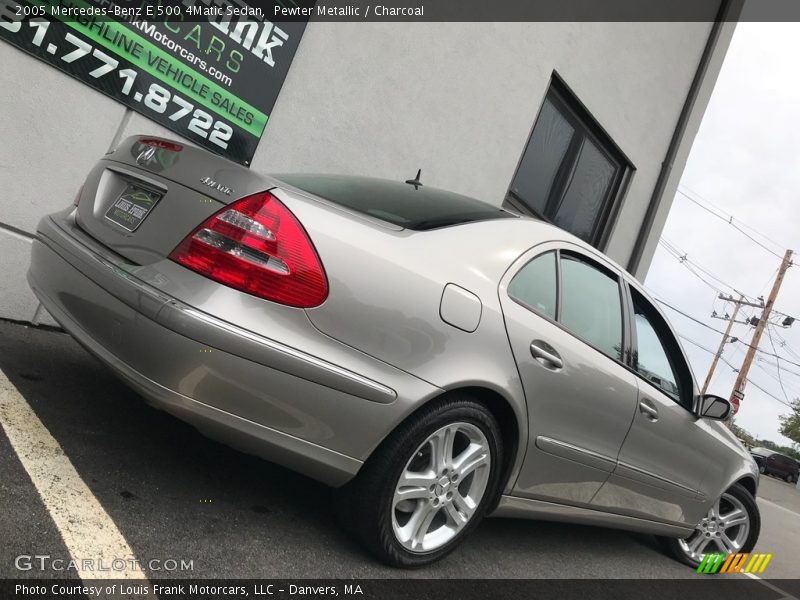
{"type": "Point", "coordinates": [745, 161]}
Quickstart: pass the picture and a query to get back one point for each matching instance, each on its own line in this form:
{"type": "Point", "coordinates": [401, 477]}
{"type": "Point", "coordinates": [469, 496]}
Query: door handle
{"type": "Point", "coordinates": [545, 353]}
{"type": "Point", "coordinates": [648, 410]}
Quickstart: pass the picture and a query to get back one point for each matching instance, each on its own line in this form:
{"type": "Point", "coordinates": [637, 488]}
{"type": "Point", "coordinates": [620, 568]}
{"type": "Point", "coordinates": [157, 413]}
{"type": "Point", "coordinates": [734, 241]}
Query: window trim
{"type": "Point", "coordinates": [575, 112]}
{"type": "Point", "coordinates": [593, 261]}
{"type": "Point", "coordinates": [527, 306]}
{"type": "Point", "coordinates": [622, 321]}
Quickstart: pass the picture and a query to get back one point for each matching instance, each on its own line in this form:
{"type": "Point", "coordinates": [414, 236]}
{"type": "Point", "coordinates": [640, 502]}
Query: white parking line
{"type": "Point", "coordinates": [784, 594]}
{"type": "Point", "coordinates": [91, 537]}
{"type": "Point", "coordinates": [790, 511]}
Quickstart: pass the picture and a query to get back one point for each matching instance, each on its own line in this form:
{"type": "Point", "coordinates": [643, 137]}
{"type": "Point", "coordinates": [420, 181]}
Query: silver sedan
{"type": "Point", "coordinates": [437, 358]}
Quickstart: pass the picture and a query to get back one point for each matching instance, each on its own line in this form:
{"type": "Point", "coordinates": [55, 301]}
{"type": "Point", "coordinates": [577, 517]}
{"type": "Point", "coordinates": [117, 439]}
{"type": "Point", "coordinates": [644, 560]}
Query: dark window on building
{"type": "Point", "coordinates": [571, 172]}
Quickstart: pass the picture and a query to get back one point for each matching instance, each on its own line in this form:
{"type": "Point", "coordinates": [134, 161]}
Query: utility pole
{"type": "Point", "coordinates": [731, 320]}
{"type": "Point", "coordinates": [741, 380]}
{"type": "Point", "coordinates": [722, 343]}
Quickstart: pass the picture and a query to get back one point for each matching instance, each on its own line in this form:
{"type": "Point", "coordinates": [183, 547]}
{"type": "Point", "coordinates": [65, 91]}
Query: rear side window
{"type": "Point", "coordinates": [762, 452]}
{"type": "Point", "coordinates": [591, 306]}
{"type": "Point", "coordinates": [402, 204]}
{"type": "Point", "coordinates": [534, 286]}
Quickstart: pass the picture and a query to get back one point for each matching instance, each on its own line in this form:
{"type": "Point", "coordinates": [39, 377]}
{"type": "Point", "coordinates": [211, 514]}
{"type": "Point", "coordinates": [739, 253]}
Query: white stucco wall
{"type": "Point", "coordinates": [379, 99]}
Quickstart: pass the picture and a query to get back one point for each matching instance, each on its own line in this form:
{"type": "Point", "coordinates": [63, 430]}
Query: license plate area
{"type": "Point", "coordinates": [132, 206]}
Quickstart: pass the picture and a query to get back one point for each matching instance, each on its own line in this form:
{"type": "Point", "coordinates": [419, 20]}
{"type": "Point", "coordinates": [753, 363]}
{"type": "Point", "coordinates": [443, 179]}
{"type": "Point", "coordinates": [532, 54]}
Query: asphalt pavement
{"type": "Point", "coordinates": [176, 495]}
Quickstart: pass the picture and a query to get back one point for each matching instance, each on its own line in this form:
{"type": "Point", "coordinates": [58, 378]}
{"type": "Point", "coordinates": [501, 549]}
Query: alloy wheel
{"type": "Point", "coordinates": [441, 487]}
{"type": "Point", "coordinates": [724, 529]}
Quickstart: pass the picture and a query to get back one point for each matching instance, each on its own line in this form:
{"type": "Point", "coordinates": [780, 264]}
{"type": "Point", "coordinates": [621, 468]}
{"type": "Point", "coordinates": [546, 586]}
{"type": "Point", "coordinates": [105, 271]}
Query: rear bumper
{"type": "Point", "coordinates": [260, 395]}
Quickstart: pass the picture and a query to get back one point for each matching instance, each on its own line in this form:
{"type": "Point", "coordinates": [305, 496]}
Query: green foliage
{"type": "Point", "coordinates": [753, 441]}
{"type": "Point", "coordinates": [790, 424]}
{"type": "Point", "coordinates": [742, 434]}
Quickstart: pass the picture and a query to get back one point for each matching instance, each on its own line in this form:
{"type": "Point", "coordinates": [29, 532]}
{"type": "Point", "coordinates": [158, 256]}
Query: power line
{"type": "Point", "coordinates": [768, 394]}
{"type": "Point", "coordinates": [766, 283]}
{"type": "Point", "coordinates": [730, 216]}
{"type": "Point", "coordinates": [683, 257]}
{"type": "Point", "coordinates": [699, 322]}
{"type": "Point", "coordinates": [773, 364]}
{"type": "Point", "coordinates": [699, 345]}
{"type": "Point", "coordinates": [771, 375]}
{"type": "Point", "coordinates": [730, 221]}
{"type": "Point", "coordinates": [735, 369]}
{"type": "Point", "coordinates": [777, 363]}
{"type": "Point", "coordinates": [784, 344]}
{"type": "Point", "coordinates": [690, 317]}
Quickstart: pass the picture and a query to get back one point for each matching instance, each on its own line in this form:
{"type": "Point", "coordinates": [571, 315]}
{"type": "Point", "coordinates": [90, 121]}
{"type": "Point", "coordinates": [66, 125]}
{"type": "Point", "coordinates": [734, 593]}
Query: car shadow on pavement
{"type": "Point", "coordinates": [176, 494]}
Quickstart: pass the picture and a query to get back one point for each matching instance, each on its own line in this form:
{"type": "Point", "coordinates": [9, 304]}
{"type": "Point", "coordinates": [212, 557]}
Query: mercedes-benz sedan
{"type": "Point", "coordinates": [438, 358]}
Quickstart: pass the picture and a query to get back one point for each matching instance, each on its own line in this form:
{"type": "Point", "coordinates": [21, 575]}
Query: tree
{"type": "Point", "coordinates": [790, 424]}
{"type": "Point", "coordinates": [741, 433]}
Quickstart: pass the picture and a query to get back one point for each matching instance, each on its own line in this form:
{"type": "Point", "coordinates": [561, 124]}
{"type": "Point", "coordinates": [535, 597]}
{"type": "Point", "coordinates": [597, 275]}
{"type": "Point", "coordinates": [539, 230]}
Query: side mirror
{"type": "Point", "coordinates": [714, 407]}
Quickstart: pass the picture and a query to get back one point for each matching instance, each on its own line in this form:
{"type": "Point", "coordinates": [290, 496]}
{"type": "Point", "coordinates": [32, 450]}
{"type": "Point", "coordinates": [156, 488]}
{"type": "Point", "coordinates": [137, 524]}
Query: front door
{"type": "Point", "coordinates": [564, 317]}
{"type": "Point", "coordinates": [668, 451]}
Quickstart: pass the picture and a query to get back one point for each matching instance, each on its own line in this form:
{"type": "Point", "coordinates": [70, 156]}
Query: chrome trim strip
{"type": "Point", "coordinates": [283, 349]}
{"type": "Point", "coordinates": [528, 508]}
{"type": "Point", "coordinates": [133, 280]}
{"type": "Point", "coordinates": [324, 464]}
{"type": "Point", "coordinates": [607, 463]}
{"type": "Point", "coordinates": [641, 471]}
{"type": "Point", "coordinates": [288, 351]}
{"type": "Point", "coordinates": [139, 176]}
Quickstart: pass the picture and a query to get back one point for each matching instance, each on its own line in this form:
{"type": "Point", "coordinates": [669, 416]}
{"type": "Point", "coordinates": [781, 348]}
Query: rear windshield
{"type": "Point", "coordinates": [396, 202]}
{"type": "Point", "coordinates": [762, 451]}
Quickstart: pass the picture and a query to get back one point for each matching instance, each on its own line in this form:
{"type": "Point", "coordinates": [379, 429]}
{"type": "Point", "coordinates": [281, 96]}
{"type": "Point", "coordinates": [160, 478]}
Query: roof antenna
{"type": "Point", "coordinates": [415, 182]}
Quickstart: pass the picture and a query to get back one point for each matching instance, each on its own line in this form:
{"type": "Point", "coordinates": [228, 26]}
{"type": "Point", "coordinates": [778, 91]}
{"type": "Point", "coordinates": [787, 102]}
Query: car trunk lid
{"type": "Point", "coordinates": [145, 197]}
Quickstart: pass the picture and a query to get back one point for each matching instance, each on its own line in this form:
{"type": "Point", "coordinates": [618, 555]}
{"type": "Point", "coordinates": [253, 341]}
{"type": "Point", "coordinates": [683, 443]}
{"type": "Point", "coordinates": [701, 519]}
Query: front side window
{"type": "Point", "coordinates": [570, 171]}
{"type": "Point", "coordinates": [591, 306]}
{"type": "Point", "coordinates": [652, 358]}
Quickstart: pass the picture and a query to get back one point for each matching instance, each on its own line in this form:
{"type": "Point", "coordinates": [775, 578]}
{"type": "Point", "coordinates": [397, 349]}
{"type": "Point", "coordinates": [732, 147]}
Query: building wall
{"type": "Point", "coordinates": [382, 99]}
{"type": "Point", "coordinates": [682, 155]}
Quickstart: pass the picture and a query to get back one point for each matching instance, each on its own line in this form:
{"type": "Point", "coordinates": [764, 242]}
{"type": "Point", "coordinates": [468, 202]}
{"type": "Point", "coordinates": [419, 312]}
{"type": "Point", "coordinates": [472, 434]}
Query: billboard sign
{"type": "Point", "coordinates": [210, 70]}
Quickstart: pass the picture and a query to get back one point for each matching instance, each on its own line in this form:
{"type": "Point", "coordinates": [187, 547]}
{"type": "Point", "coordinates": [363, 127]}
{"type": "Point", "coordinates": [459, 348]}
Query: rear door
{"type": "Point", "coordinates": [565, 321]}
{"type": "Point", "coordinates": [781, 465]}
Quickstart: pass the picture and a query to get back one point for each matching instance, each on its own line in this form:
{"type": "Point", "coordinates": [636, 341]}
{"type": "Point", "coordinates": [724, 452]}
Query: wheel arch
{"type": "Point", "coordinates": [503, 411]}
{"type": "Point", "coordinates": [513, 428]}
{"type": "Point", "coordinates": [748, 483]}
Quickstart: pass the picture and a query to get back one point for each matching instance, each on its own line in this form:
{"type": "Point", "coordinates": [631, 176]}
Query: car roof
{"type": "Point", "coordinates": [762, 450]}
{"type": "Point", "coordinates": [410, 205]}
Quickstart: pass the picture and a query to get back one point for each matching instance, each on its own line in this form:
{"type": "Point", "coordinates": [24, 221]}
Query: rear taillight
{"type": "Point", "coordinates": [256, 245]}
{"type": "Point", "coordinates": [163, 144]}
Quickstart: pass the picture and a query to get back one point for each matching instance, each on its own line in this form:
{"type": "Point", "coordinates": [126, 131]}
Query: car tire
{"type": "Point", "coordinates": [374, 506]}
{"type": "Point", "coordinates": [736, 497]}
